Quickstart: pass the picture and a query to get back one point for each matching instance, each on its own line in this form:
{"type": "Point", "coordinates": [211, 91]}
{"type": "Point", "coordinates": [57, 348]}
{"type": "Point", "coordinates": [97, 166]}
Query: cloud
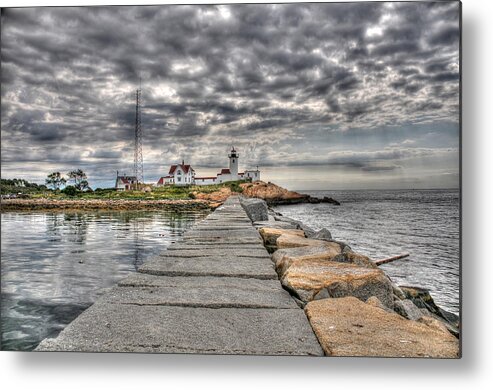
{"type": "Point", "coordinates": [216, 75]}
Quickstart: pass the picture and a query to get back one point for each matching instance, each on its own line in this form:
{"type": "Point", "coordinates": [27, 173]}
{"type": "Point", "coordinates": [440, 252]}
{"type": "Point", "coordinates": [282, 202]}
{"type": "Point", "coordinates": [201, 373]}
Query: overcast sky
{"type": "Point", "coordinates": [319, 96]}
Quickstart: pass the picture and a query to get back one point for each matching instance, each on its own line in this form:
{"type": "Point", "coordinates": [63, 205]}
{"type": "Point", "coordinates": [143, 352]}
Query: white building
{"type": "Point", "coordinates": [125, 182]}
{"type": "Point", "coordinates": [181, 174]}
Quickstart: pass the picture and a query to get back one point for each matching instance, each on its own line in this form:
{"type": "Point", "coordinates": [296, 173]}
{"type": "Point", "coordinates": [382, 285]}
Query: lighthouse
{"type": "Point", "coordinates": [233, 163]}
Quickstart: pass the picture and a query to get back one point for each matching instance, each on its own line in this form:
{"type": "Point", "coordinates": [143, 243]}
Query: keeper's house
{"type": "Point", "coordinates": [179, 174]}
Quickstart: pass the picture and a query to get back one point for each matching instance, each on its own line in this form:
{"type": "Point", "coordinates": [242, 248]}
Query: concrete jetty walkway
{"type": "Point", "coordinates": [215, 292]}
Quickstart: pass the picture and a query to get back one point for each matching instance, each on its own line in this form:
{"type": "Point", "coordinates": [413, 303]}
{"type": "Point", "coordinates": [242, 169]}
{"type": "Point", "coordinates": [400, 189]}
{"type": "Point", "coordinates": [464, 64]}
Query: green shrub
{"type": "Point", "coordinates": [70, 191]}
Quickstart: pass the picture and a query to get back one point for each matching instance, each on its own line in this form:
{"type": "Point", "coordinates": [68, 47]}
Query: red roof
{"type": "Point", "coordinates": [225, 171]}
{"type": "Point", "coordinates": [185, 168]}
{"type": "Point", "coordinates": [161, 180]}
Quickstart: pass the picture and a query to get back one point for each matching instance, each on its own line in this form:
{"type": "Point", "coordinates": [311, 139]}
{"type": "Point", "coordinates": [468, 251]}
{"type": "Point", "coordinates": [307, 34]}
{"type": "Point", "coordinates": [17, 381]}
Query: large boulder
{"type": "Point", "coordinates": [256, 209]}
{"type": "Point", "coordinates": [316, 279]}
{"type": "Point", "coordinates": [350, 327]}
{"type": "Point", "coordinates": [283, 258]}
{"type": "Point", "coordinates": [270, 235]}
{"type": "Point", "coordinates": [291, 241]}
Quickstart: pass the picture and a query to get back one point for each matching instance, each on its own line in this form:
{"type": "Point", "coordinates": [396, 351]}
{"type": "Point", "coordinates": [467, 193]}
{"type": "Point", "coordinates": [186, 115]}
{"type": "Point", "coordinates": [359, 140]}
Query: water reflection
{"type": "Point", "coordinates": [54, 265]}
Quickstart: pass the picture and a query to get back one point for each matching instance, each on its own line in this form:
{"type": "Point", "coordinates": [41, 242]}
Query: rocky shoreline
{"type": "Point", "coordinates": [271, 193]}
{"type": "Point", "coordinates": [102, 204]}
{"type": "Point", "coordinates": [353, 306]}
{"type": "Point", "coordinates": [275, 195]}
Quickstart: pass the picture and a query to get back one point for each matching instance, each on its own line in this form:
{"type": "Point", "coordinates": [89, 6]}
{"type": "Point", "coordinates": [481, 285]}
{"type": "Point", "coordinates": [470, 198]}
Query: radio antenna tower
{"type": "Point", "coordinates": [138, 159]}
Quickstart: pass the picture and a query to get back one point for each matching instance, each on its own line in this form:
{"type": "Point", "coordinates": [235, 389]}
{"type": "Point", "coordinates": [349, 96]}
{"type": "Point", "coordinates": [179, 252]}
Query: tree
{"type": "Point", "coordinates": [79, 178]}
{"type": "Point", "coordinates": [55, 180]}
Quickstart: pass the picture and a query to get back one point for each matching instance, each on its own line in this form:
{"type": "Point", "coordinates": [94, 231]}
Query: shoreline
{"type": "Point", "coordinates": [43, 204]}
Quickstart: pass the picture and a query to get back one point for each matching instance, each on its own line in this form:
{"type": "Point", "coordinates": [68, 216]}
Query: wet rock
{"type": "Point", "coordinates": [305, 279]}
{"type": "Point", "coordinates": [421, 298]}
{"type": "Point", "coordinates": [255, 208]}
{"type": "Point", "coordinates": [407, 309]}
{"type": "Point", "coordinates": [322, 234]}
{"type": "Point", "coordinates": [308, 230]}
{"type": "Point", "coordinates": [326, 199]}
{"type": "Point", "coordinates": [349, 327]}
{"type": "Point", "coordinates": [398, 292]}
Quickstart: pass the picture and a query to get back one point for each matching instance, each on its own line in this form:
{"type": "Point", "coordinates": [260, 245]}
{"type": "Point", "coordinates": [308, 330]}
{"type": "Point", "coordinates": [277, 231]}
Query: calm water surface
{"type": "Point", "coordinates": [55, 265]}
{"type": "Point", "coordinates": [381, 224]}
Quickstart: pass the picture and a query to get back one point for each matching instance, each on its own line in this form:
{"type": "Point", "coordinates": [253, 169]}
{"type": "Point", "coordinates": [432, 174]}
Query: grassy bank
{"type": "Point", "coordinates": [156, 193]}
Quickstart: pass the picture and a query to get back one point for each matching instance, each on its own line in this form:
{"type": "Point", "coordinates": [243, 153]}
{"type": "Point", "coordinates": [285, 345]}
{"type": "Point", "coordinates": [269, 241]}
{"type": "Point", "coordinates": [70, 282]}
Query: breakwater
{"type": "Point", "coordinates": [354, 308]}
{"type": "Point", "coordinates": [214, 292]}
{"type": "Point", "coordinates": [218, 292]}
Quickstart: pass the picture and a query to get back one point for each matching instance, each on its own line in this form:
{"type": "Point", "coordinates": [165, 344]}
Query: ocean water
{"type": "Point", "coordinates": [380, 224]}
{"type": "Point", "coordinates": [55, 265]}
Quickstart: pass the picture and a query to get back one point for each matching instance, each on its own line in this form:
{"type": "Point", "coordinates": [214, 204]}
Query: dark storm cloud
{"type": "Point", "coordinates": [217, 75]}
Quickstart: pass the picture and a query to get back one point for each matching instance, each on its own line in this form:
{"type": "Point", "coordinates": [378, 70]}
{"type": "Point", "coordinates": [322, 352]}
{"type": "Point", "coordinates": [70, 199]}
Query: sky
{"type": "Point", "coordinates": [319, 96]}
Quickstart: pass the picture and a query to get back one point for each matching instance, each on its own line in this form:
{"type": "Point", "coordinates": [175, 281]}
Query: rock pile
{"type": "Point", "coordinates": [353, 306]}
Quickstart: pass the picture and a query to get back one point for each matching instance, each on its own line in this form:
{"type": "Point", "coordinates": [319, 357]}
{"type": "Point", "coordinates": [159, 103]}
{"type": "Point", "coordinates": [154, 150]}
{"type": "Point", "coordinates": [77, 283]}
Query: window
{"type": "Point", "coordinates": [179, 179]}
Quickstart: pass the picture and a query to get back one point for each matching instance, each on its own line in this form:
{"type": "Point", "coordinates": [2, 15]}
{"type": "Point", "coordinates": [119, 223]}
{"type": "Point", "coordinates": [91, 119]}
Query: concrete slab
{"type": "Point", "coordinates": [222, 241]}
{"type": "Point", "coordinates": [217, 252]}
{"type": "Point", "coordinates": [207, 227]}
{"type": "Point", "coordinates": [245, 267]}
{"type": "Point", "coordinates": [145, 280]}
{"type": "Point", "coordinates": [204, 246]}
{"type": "Point", "coordinates": [212, 296]}
{"type": "Point", "coordinates": [165, 329]}
{"type": "Point", "coordinates": [243, 232]}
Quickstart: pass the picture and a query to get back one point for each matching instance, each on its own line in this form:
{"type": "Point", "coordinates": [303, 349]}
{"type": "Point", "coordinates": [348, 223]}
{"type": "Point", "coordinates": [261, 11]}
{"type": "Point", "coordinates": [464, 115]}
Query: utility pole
{"type": "Point", "coordinates": [138, 158]}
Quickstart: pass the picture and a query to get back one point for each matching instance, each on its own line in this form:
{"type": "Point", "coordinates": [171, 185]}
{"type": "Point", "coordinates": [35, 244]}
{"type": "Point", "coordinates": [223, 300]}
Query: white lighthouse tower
{"type": "Point", "coordinates": [233, 163]}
